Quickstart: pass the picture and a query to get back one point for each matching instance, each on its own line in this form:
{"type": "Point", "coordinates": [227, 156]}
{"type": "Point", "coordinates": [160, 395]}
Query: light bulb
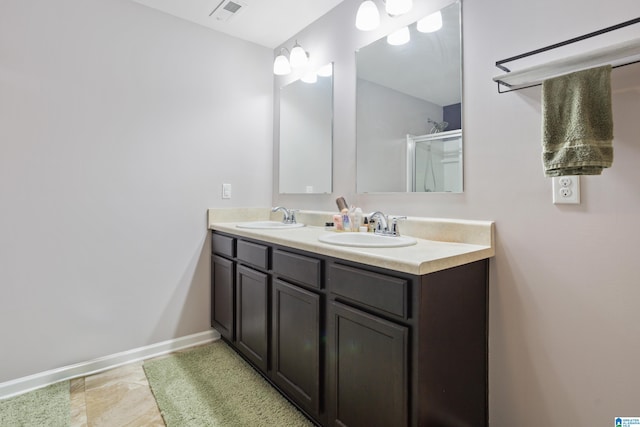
{"type": "Point", "coordinates": [398, 7]}
{"type": "Point", "coordinates": [310, 77]}
{"type": "Point", "coordinates": [399, 37]}
{"type": "Point", "coordinates": [298, 57]}
{"type": "Point", "coordinates": [368, 17]}
{"type": "Point", "coordinates": [430, 23]}
{"type": "Point", "coordinates": [326, 70]}
{"type": "Point", "coordinates": [281, 65]}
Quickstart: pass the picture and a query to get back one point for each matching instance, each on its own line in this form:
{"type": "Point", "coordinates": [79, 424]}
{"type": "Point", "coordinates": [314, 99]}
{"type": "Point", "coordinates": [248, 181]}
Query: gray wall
{"type": "Point", "coordinates": [564, 332]}
{"type": "Point", "coordinates": [118, 125]}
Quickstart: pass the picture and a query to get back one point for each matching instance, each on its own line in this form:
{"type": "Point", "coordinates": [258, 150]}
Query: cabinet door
{"type": "Point", "coordinates": [296, 344]}
{"type": "Point", "coordinates": [367, 370]}
{"type": "Point", "coordinates": [222, 301]}
{"type": "Point", "coordinates": [252, 310]}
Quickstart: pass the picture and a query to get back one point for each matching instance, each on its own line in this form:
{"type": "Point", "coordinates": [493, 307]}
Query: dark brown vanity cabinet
{"type": "Point", "coordinates": [252, 302]}
{"type": "Point", "coordinates": [369, 344]}
{"type": "Point", "coordinates": [240, 296]}
{"type": "Point", "coordinates": [252, 315]}
{"type": "Point", "coordinates": [356, 345]}
{"type": "Point", "coordinates": [223, 285]}
{"type": "Point", "coordinates": [222, 300]}
{"type": "Point", "coordinates": [407, 350]}
{"type": "Point", "coordinates": [297, 326]}
{"type": "Point", "coordinates": [369, 369]}
{"type": "Point", "coordinates": [275, 319]}
{"type": "Point", "coordinates": [296, 344]}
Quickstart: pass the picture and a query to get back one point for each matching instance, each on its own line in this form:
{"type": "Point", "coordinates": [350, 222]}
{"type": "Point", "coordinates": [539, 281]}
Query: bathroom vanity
{"type": "Point", "coordinates": [359, 336]}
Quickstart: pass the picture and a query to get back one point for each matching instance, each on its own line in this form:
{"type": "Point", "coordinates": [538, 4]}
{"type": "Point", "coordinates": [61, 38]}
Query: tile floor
{"type": "Point", "coordinates": [118, 397]}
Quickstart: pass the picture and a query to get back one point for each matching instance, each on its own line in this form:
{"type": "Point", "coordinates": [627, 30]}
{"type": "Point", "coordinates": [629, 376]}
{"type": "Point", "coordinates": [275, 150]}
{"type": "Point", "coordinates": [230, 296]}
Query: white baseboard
{"type": "Point", "coordinates": [32, 382]}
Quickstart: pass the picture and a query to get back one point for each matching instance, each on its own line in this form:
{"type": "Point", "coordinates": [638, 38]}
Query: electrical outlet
{"type": "Point", "coordinates": [226, 191]}
{"type": "Point", "coordinates": [566, 189]}
{"type": "Point", "coordinates": [565, 181]}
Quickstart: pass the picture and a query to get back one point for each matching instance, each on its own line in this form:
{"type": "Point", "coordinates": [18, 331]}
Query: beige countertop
{"type": "Point", "coordinates": [441, 243]}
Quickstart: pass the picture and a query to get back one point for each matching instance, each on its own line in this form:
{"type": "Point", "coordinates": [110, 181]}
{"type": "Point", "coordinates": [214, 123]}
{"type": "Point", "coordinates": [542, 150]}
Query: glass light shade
{"type": "Point", "coordinates": [326, 70]}
{"type": "Point", "coordinates": [368, 17]}
{"type": "Point", "coordinates": [310, 77]}
{"type": "Point", "coordinates": [399, 37]}
{"type": "Point", "coordinates": [430, 23]}
{"type": "Point", "coordinates": [298, 57]}
{"type": "Point", "coordinates": [398, 7]}
{"type": "Point", "coordinates": [281, 65]}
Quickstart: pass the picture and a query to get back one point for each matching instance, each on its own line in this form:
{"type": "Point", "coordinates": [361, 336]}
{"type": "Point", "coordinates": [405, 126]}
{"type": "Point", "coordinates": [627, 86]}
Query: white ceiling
{"type": "Point", "coordinates": [266, 22]}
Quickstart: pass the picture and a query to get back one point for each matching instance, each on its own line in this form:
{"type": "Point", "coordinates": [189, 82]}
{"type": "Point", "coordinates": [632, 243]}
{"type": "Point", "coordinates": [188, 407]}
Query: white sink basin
{"type": "Point", "coordinates": [367, 240]}
{"type": "Point", "coordinates": [268, 225]}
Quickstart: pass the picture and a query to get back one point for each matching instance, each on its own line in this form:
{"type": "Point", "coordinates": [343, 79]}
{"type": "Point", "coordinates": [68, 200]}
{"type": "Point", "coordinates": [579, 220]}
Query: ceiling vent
{"type": "Point", "coordinates": [227, 9]}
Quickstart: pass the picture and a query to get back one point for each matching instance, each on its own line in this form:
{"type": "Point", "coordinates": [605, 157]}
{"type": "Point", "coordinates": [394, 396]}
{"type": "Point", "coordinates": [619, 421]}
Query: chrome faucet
{"type": "Point", "coordinates": [289, 215]}
{"type": "Point", "coordinates": [387, 226]}
{"type": "Point", "coordinates": [381, 222]}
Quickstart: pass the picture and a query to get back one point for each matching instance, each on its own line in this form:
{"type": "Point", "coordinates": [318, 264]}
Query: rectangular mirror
{"type": "Point", "coordinates": [408, 109]}
{"type": "Point", "coordinates": [306, 134]}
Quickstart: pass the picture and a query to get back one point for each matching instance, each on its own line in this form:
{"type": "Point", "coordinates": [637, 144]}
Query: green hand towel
{"type": "Point", "coordinates": [577, 123]}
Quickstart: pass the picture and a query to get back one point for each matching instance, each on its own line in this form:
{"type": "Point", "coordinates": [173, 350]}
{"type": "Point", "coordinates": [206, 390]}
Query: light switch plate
{"type": "Point", "coordinates": [226, 191]}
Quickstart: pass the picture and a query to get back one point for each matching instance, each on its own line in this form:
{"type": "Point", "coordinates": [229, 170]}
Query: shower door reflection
{"type": "Point", "coordinates": [434, 162]}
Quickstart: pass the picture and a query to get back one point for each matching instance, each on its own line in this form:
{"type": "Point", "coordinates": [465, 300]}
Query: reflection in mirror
{"type": "Point", "coordinates": [306, 127]}
{"type": "Point", "coordinates": [409, 102]}
{"type": "Point", "coordinates": [434, 162]}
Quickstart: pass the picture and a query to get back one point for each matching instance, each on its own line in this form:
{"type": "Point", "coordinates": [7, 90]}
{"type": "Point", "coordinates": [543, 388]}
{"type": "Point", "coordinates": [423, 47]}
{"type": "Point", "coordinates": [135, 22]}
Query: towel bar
{"type": "Point", "coordinates": [617, 55]}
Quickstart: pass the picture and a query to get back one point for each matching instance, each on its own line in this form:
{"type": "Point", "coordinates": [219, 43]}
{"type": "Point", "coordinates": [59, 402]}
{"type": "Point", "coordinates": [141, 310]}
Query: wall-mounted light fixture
{"type": "Point", "coordinates": [298, 58]}
{"type": "Point", "coordinates": [368, 17]}
{"type": "Point", "coordinates": [281, 66]}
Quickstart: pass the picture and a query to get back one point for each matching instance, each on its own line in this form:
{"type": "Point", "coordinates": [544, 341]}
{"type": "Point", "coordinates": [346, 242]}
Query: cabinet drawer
{"type": "Point", "coordinates": [299, 268]}
{"type": "Point", "coordinates": [223, 245]}
{"type": "Point", "coordinates": [383, 293]}
{"type": "Point", "coordinates": [253, 253]}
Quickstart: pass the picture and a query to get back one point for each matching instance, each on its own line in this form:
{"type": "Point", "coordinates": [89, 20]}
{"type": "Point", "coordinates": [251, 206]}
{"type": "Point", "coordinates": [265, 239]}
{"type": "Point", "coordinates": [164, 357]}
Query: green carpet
{"type": "Point", "coordinates": [213, 386]}
{"type": "Point", "coordinates": [46, 407]}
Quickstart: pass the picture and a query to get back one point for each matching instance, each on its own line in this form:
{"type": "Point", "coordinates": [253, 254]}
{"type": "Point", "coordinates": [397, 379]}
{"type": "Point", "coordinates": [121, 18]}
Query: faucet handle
{"type": "Point", "coordinates": [292, 215]}
{"type": "Point", "coordinates": [393, 227]}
